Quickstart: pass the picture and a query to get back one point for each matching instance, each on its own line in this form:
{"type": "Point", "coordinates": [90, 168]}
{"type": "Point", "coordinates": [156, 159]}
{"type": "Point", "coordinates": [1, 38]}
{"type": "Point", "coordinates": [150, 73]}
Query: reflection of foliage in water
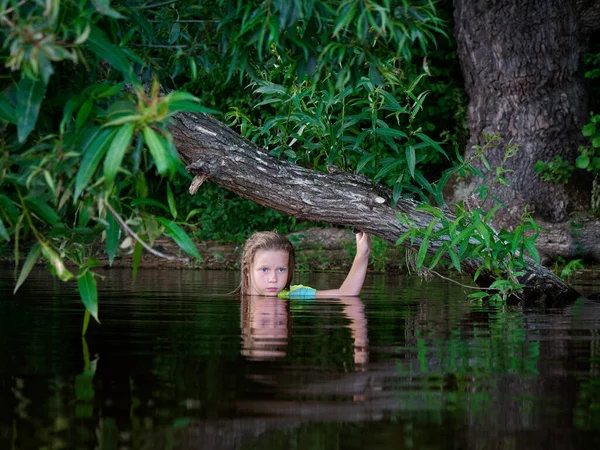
{"type": "Point", "coordinates": [465, 362]}
{"type": "Point", "coordinates": [587, 408]}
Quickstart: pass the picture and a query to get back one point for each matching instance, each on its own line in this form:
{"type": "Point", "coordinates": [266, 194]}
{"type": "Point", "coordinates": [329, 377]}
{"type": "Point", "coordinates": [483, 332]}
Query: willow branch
{"type": "Point", "coordinates": [134, 235]}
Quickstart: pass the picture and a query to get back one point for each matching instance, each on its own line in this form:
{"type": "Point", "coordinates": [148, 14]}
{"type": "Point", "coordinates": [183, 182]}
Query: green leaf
{"type": "Point", "coordinates": [107, 90]}
{"type": "Point", "coordinates": [464, 234]}
{"type": "Point", "coordinates": [30, 94]}
{"type": "Point", "coordinates": [9, 209]}
{"type": "Point", "coordinates": [478, 295]}
{"type": "Point", "coordinates": [415, 82]}
{"type": "Point", "coordinates": [484, 232]}
{"type": "Point", "coordinates": [589, 130]}
{"type": "Point", "coordinates": [532, 251]}
{"type": "Point", "coordinates": [157, 149]}
{"type": "Point", "coordinates": [171, 201]}
{"type": "Point", "coordinates": [271, 88]}
{"type": "Point", "coordinates": [596, 142]}
{"type": "Point", "coordinates": [121, 108]}
{"type": "Point", "coordinates": [86, 322]}
{"type": "Point", "coordinates": [516, 240]}
{"type": "Point", "coordinates": [94, 149]}
{"type": "Point", "coordinates": [83, 113]}
{"type": "Point", "coordinates": [137, 257]}
{"type": "Point", "coordinates": [390, 132]}
{"type": "Point", "coordinates": [422, 252]}
{"type": "Point", "coordinates": [4, 232]}
{"type": "Point", "coordinates": [409, 233]}
{"type": "Point", "coordinates": [174, 33]}
{"type": "Point", "coordinates": [582, 162]}
{"type": "Point", "coordinates": [124, 119]}
{"type": "Point", "coordinates": [112, 236]}
{"type": "Point", "coordinates": [149, 202]}
{"type": "Point", "coordinates": [436, 212]}
{"type": "Point", "coordinates": [419, 178]}
{"type": "Point", "coordinates": [181, 96]}
{"type": "Point", "coordinates": [366, 159]}
{"type": "Point", "coordinates": [391, 103]}
{"type": "Point", "coordinates": [103, 7]}
{"type": "Point", "coordinates": [486, 163]}
{"type": "Point", "coordinates": [7, 112]}
{"type": "Point", "coordinates": [93, 263]}
{"type": "Point", "coordinates": [192, 213]}
{"type": "Point", "coordinates": [101, 46]}
{"type": "Point", "coordinates": [180, 237]}
{"type": "Point", "coordinates": [32, 257]}
{"type": "Point", "coordinates": [454, 258]}
{"type": "Point", "coordinates": [411, 160]}
{"type": "Point", "coordinates": [440, 252]}
{"type": "Point", "coordinates": [57, 263]}
{"type": "Point", "coordinates": [116, 152]}
{"type": "Point", "coordinates": [89, 293]}
{"type": "Point", "coordinates": [388, 167]}
{"type": "Point", "coordinates": [431, 143]}
{"type": "Point", "coordinates": [396, 192]}
{"type": "Point", "coordinates": [42, 209]}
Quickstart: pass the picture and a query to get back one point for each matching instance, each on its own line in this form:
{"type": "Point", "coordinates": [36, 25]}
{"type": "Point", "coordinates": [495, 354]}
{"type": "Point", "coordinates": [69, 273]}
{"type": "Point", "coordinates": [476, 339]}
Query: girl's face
{"type": "Point", "coordinates": [269, 272]}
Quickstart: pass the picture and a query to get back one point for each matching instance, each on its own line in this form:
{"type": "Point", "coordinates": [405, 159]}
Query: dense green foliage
{"type": "Point", "coordinates": [86, 107]}
{"type": "Point", "coordinates": [86, 149]}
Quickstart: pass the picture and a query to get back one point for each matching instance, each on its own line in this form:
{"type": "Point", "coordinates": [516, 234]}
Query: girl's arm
{"type": "Point", "coordinates": [355, 278]}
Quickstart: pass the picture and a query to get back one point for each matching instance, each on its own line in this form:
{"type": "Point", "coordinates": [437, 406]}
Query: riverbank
{"type": "Point", "coordinates": [317, 249]}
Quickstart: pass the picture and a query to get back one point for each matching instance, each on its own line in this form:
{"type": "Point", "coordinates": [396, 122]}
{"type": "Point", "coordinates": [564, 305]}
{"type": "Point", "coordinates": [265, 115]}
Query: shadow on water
{"type": "Point", "coordinates": [177, 363]}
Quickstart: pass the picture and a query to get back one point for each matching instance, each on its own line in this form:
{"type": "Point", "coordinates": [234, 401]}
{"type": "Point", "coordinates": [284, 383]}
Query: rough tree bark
{"type": "Point", "coordinates": [212, 150]}
{"type": "Point", "coordinates": [522, 65]}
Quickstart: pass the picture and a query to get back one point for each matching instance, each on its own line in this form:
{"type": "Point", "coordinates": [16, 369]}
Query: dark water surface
{"type": "Point", "coordinates": [177, 364]}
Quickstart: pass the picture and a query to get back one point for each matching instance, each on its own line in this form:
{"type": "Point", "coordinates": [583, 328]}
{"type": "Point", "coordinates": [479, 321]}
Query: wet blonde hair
{"type": "Point", "coordinates": [259, 241]}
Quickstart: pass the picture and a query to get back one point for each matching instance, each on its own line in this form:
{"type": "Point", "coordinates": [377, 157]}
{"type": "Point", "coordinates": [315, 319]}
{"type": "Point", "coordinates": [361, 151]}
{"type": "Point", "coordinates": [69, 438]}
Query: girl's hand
{"type": "Point", "coordinates": [363, 244]}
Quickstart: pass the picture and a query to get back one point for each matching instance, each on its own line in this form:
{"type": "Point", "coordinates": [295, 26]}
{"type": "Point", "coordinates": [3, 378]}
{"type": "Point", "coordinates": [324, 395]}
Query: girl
{"type": "Point", "coordinates": [268, 262]}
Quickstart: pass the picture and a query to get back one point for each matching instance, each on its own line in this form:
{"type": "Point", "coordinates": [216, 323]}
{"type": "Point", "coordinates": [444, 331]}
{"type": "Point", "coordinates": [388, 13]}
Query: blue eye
{"type": "Point", "coordinates": [264, 270]}
{"type": "Point", "coordinates": [281, 270]}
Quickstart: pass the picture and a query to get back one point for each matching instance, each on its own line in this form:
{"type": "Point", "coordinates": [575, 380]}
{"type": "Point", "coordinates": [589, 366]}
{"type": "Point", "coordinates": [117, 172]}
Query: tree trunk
{"type": "Point", "coordinates": [522, 66]}
{"type": "Point", "coordinates": [212, 150]}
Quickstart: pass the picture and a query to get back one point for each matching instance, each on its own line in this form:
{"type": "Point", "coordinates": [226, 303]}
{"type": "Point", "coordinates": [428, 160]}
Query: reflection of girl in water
{"type": "Point", "coordinates": [268, 264]}
{"type": "Point", "coordinates": [266, 326]}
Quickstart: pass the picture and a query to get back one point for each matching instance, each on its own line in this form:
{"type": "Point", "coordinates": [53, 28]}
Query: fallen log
{"type": "Point", "coordinates": [213, 151]}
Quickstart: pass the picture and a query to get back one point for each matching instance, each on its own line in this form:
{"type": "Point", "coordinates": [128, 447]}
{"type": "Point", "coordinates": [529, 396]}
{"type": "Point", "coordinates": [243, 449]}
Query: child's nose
{"type": "Point", "coordinates": [273, 276]}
